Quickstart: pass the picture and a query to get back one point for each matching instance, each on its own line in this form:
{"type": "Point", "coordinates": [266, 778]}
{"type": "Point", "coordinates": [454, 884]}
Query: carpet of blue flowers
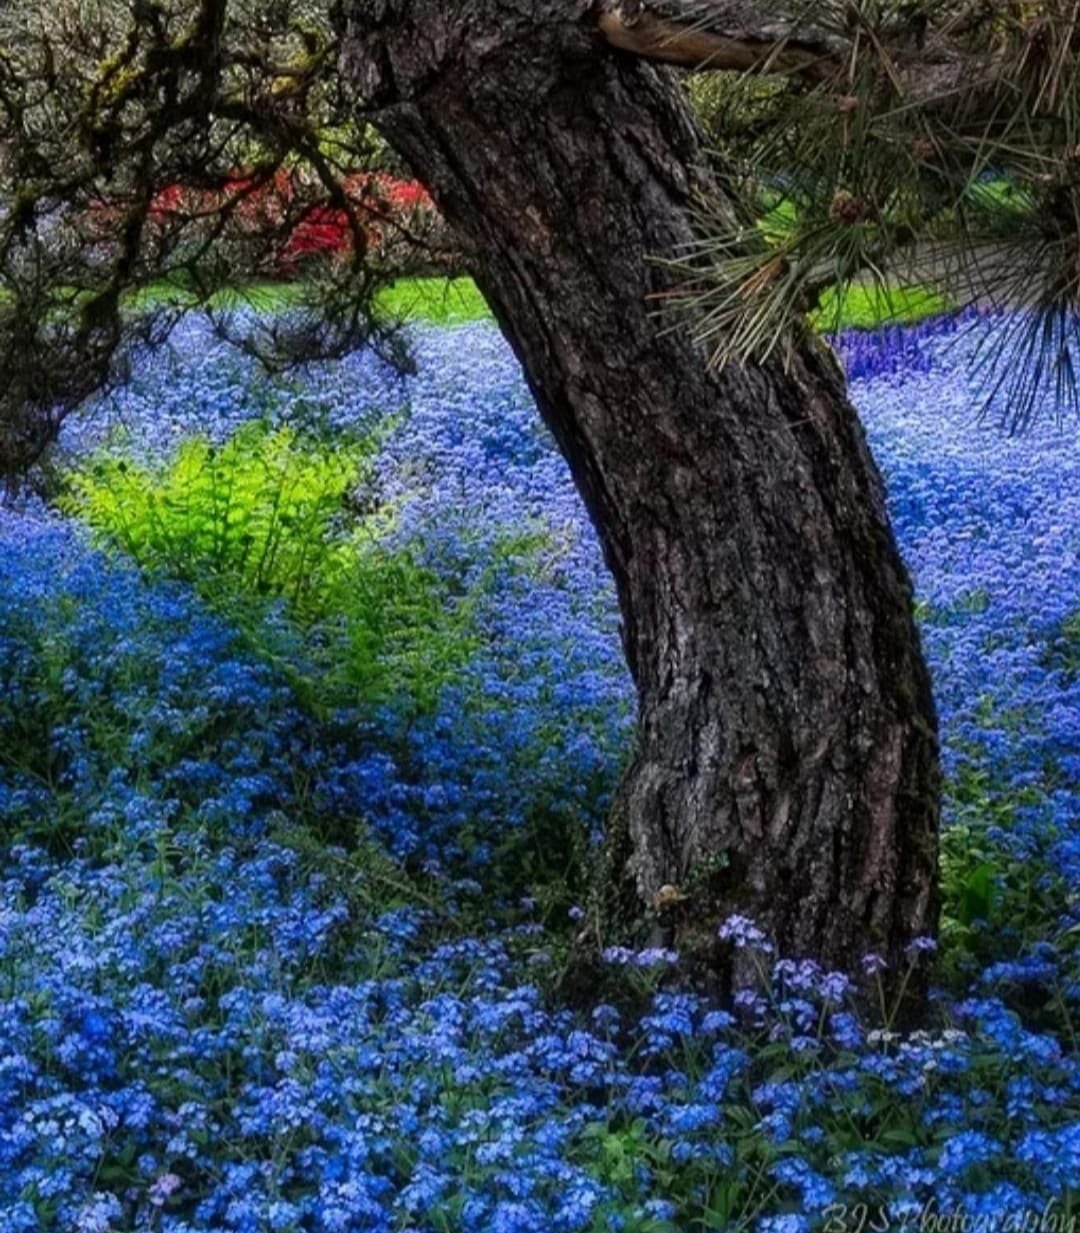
{"type": "Point", "coordinates": [278, 957]}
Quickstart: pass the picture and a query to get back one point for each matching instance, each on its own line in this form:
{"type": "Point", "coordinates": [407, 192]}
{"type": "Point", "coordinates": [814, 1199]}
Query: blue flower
{"type": "Point", "coordinates": [211, 1020]}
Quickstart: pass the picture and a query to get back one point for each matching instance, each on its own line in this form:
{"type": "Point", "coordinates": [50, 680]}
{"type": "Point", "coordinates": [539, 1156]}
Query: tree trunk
{"type": "Point", "coordinates": [786, 766]}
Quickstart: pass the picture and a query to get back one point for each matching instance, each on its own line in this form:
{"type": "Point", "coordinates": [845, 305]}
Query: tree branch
{"type": "Point", "coordinates": [720, 34]}
{"type": "Point", "coordinates": [755, 36]}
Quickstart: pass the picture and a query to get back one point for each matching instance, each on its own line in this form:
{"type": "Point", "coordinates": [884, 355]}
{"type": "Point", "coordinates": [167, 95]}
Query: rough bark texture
{"type": "Point", "coordinates": [787, 759]}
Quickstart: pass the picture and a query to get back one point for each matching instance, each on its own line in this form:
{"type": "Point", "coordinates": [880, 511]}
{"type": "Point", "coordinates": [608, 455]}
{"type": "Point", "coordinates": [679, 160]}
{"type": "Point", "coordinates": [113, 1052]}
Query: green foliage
{"type": "Point", "coordinates": [252, 512]}
{"type": "Point", "coordinates": [273, 530]}
{"type": "Point", "coordinates": [455, 301]}
{"type": "Point", "coordinates": [175, 292]}
{"type": "Point", "coordinates": [919, 146]}
{"type": "Point", "coordinates": [1001, 202]}
{"type": "Point", "coordinates": [779, 222]}
{"type": "Point", "coordinates": [732, 107]}
{"type": "Point", "coordinates": [1065, 650]}
{"type": "Point", "coordinates": [257, 165]}
{"type": "Point", "coordinates": [439, 301]}
{"type": "Point", "coordinates": [999, 901]}
{"type": "Point", "coordinates": [867, 306]}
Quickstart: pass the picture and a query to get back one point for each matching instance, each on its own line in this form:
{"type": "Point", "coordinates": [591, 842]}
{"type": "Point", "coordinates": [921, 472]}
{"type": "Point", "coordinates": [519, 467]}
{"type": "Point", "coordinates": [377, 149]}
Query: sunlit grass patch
{"type": "Point", "coordinates": [868, 306]}
{"type": "Point", "coordinates": [438, 301]}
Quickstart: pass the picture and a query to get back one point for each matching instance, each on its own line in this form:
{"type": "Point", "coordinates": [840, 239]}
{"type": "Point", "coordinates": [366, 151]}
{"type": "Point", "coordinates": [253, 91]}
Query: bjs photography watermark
{"type": "Point", "coordinates": [934, 1217]}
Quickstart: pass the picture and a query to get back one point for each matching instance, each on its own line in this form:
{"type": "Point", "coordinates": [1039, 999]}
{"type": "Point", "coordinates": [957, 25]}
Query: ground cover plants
{"type": "Point", "coordinates": [312, 706]}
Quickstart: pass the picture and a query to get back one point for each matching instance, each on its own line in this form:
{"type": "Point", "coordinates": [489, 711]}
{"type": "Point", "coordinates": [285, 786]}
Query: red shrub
{"type": "Point", "coordinates": [384, 204]}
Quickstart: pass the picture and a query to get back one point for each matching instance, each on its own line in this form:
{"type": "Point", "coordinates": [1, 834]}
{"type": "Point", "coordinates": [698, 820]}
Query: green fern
{"type": "Point", "coordinates": [265, 529]}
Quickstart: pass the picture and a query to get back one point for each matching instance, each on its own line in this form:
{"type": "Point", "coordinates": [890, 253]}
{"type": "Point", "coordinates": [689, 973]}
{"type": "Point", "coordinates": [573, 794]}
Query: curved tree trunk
{"type": "Point", "coordinates": [787, 758]}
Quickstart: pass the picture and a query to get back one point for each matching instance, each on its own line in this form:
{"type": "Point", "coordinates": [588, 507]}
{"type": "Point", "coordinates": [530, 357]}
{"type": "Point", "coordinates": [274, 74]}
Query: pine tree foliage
{"type": "Point", "coordinates": [916, 142]}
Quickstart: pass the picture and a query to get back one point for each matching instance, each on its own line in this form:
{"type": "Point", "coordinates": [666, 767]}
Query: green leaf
{"type": "Point", "coordinates": [977, 894]}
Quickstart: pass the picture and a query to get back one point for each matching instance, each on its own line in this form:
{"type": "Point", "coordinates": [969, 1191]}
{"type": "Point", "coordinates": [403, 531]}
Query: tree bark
{"type": "Point", "coordinates": [786, 763]}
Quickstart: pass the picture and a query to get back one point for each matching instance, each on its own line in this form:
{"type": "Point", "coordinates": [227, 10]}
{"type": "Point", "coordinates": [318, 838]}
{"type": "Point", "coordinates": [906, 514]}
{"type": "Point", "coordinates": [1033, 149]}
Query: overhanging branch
{"type": "Point", "coordinates": [917, 63]}
{"type": "Point", "coordinates": [727, 34]}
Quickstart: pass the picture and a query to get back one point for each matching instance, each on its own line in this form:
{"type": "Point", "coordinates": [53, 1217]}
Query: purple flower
{"type": "Point", "coordinates": [920, 946]}
{"type": "Point", "coordinates": [872, 964]}
{"type": "Point", "coordinates": [162, 1188]}
{"type": "Point", "coordinates": [743, 934]}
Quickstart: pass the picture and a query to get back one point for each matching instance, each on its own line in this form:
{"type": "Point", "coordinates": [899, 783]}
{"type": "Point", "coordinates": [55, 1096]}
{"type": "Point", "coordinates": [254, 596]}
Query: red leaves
{"type": "Point", "coordinates": [276, 208]}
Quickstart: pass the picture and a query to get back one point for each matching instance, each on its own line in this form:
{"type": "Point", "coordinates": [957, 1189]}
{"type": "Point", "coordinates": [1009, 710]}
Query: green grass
{"type": "Point", "coordinates": [264, 296]}
{"type": "Point", "coordinates": [456, 301]}
{"type": "Point", "coordinates": [439, 301]}
{"type": "Point", "coordinates": [780, 222]}
{"type": "Point", "coordinates": [865, 307]}
{"type": "Point", "coordinates": [442, 301]}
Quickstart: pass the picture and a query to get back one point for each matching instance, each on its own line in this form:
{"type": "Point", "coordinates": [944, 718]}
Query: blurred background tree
{"type": "Point", "coordinates": [155, 155]}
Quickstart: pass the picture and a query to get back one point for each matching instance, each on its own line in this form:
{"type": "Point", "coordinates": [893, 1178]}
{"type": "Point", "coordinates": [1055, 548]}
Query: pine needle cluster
{"type": "Point", "coordinates": [928, 143]}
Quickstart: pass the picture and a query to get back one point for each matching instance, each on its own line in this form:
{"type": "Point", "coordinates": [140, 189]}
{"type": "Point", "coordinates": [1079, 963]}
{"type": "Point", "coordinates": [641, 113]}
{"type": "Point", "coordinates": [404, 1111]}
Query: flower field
{"type": "Point", "coordinates": [313, 702]}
